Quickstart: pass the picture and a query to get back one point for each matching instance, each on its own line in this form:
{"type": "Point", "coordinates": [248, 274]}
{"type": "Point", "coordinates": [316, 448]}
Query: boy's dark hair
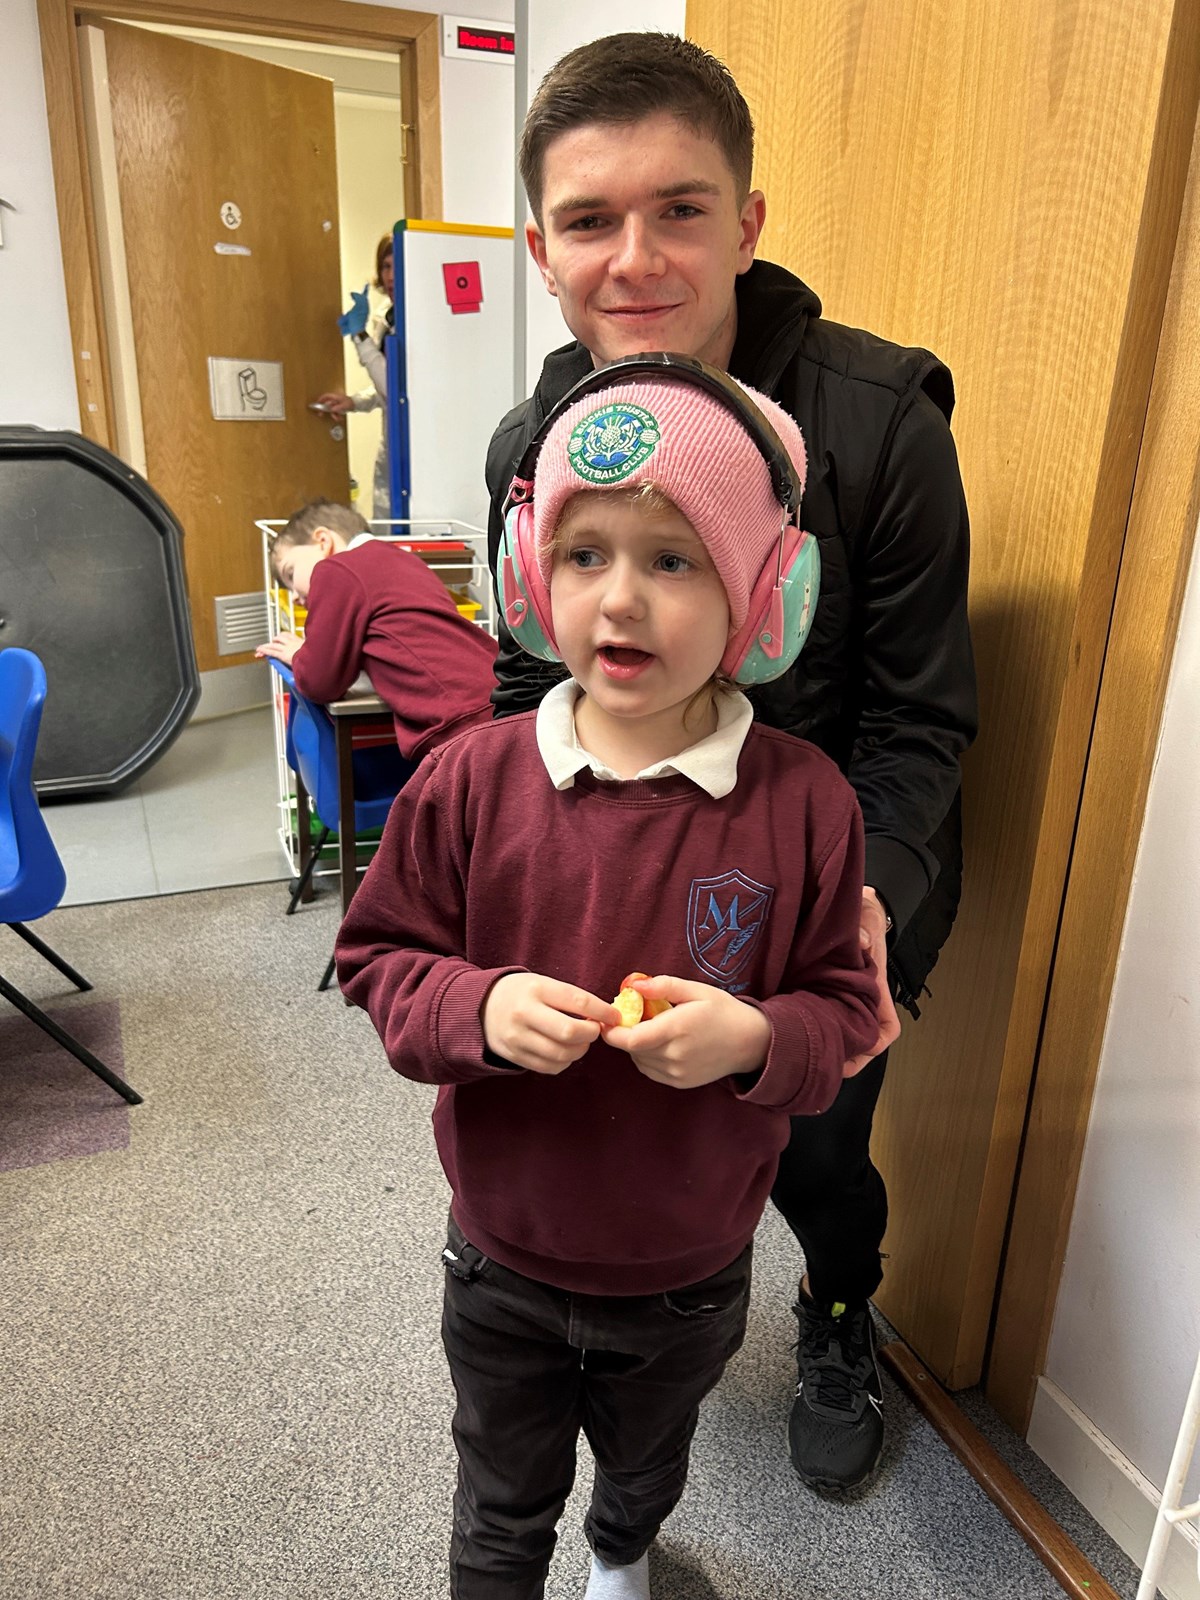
{"type": "Point", "coordinates": [626, 77]}
{"type": "Point", "coordinates": [302, 525]}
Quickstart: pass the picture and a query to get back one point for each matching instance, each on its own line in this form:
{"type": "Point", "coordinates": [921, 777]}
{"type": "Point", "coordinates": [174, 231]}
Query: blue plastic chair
{"type": "Point", "coordinates": [32, 879]}
{"type": "Point", "coordinates": [380, 772]}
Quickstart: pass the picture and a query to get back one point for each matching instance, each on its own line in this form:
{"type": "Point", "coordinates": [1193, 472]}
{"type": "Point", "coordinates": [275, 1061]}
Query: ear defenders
{"type": "Point", "coordinates": [785, 591]}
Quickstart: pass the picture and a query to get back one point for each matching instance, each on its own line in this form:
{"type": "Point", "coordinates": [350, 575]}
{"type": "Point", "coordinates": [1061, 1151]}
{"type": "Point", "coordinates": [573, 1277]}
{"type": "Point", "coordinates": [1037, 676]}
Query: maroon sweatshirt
{"type": "Point", "coordinates": [378, 609]}
{"type": "Point", "coordinates": [599, 1180]}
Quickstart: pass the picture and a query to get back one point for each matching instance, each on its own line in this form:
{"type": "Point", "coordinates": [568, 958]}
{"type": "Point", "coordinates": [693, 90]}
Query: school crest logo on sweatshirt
{"type": "Point", "coordinates": [726, 918]}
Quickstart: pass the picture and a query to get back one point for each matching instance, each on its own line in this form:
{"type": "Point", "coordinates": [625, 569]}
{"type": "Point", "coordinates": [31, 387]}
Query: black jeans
{"type": "Point", "coordinates": [532, 1365]}
{"type": "Point", "coordinates": [830, 1194]}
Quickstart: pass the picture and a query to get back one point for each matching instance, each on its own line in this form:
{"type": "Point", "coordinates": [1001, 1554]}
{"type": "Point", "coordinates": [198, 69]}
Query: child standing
{"type": "Point", "coordinates": [607, 1180]}
{"type": "Point", "coordinates": [375, 607]}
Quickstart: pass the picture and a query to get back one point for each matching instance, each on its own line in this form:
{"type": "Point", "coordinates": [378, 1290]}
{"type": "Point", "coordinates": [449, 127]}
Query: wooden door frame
{"type": "Point", "coordinates": [413, 35]}
{"type": "Point", "coordinates": [1155, 561]}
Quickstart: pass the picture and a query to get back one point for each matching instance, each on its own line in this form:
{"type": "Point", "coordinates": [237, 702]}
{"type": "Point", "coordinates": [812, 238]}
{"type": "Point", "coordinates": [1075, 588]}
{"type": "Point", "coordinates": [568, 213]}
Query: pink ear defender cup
{"type": "Point", "coordinates": [524, 600]}
{"type": "Point", "coordinates": [732, 461]}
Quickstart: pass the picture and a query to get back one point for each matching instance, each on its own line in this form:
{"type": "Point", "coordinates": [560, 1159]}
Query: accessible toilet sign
{"type": "Point", "coordinates": [245, 391]}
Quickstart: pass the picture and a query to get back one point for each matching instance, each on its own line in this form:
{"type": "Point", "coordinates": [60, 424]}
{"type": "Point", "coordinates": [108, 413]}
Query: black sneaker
{"type": "Point", "coordinates": [835, 1432]}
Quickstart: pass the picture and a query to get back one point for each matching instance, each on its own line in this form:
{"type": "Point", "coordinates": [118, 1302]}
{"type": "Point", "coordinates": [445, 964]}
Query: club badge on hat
{"type": "Point", "coordinates": [612, 442]}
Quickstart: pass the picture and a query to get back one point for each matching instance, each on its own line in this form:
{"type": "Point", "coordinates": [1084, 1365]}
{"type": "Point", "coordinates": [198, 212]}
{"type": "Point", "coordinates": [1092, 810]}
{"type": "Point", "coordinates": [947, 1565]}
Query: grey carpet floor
{"type": "Point", "coordinates": [222, 1375]}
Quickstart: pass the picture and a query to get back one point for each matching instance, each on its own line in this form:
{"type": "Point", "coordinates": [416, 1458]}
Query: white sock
{"type": "Point", "coordinates": [619, 1583]}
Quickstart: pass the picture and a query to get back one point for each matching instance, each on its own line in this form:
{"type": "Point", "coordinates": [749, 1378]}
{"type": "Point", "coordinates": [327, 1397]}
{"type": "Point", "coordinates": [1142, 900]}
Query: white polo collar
{"type": "Point", "coordinates": [711, 763]}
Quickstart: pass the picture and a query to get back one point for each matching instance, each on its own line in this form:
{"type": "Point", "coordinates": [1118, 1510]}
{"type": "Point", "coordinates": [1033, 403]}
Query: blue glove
{"type": "Point", "coordinates": [355, 320]}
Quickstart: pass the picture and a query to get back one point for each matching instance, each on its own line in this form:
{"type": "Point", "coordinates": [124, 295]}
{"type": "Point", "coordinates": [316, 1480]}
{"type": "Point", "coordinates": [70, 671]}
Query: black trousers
{"type": "Point", "coordinates": [532, 1366]}
{"type": "Point", "coordinates": [830, 1194]}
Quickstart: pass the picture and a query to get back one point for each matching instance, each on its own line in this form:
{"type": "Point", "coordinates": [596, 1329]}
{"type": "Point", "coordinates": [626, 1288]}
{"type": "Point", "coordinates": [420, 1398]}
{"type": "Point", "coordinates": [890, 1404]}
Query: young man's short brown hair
{"type": "Point", "coordinates": [626, 77]}
{"type": "Point", "coordinates": [301, 527]}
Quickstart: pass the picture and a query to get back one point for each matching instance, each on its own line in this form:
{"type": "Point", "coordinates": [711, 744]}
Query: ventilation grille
{"type": "Point", "coordinates": [243, 622]}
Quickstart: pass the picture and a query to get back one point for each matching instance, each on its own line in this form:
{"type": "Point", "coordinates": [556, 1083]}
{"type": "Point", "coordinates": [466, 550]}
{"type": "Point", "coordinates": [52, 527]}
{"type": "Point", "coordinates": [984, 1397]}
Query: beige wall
{"type": "Point", "coordinates": [370, 199]}
{"type": "Point", "coordinates": [37, 377]}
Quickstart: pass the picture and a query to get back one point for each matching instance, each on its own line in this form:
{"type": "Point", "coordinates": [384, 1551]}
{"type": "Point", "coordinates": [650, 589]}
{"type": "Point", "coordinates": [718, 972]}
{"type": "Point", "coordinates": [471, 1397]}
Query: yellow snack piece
{"type": "Point", "coordinates": [629, 1004]}
{"type": "Point", "coordinates": [650, 1008]}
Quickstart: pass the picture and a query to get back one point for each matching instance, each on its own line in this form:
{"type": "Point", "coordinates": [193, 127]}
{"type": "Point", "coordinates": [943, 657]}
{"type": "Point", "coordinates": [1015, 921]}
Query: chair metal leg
{"type": "Point", "coordinates": [51, 956]}
{"type": "Point", "coordinates": [305, 878]}
{"type": "Point", "coordinates": [303, 835]}
{"type": "Point", "coordinates": [328, 978]}
{"type": "Point", "coordinates": [68, 1043]}
{"type": "Point", "coordinates": [347, 837]}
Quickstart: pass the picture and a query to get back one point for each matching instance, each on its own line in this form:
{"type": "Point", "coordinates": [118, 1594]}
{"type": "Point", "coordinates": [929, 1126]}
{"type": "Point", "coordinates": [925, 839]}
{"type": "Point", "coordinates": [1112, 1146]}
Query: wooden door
{"type": "Point", "coordinates": [1002, 184]}
{"type": "Point", "coordinates": [205, 139]}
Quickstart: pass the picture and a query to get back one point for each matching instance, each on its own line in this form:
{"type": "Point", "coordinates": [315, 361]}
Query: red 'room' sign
{"type": "Point", "coordinates": [485, 41]}
{"type": "Point", "coordinates": [477, 39]}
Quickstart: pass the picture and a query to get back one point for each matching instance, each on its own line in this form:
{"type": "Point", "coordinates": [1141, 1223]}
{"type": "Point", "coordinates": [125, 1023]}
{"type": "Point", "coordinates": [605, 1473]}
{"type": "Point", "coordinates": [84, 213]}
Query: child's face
{"type": "Point", "coordinates": [640, 615]}
{"type": "Point", "coordinates": [295, 562]}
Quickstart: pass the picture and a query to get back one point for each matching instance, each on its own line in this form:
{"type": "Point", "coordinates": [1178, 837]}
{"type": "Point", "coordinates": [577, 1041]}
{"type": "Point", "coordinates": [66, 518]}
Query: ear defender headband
{"type": "Point", "coordinates": [782, 590]}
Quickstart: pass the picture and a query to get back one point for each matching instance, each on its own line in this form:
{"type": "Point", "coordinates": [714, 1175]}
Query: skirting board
{"type": "Point", "coordinates": [230, 689]}
{"type": "Point", "coordinates": [1123, 1500]}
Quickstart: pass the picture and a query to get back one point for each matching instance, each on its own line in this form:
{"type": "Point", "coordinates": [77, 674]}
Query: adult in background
{"type": "Point", "coordinates": [367, 334]}
{"type": "Point", "coordinates": [636, 158]}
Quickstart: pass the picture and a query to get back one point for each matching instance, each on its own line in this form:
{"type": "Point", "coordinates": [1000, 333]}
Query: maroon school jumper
{"type": "Point", "coordinates": [599, 1180]}
{"type": "Point", "coordinates": [378, 609]}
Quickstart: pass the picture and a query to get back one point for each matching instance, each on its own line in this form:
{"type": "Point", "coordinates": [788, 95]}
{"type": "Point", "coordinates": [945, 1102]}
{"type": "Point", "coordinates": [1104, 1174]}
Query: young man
{"type": "Point", "coordinates": [636, 159]}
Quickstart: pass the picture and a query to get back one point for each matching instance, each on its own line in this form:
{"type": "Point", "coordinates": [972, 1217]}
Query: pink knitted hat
{"type": "Point", "coordinates": [693, 448]}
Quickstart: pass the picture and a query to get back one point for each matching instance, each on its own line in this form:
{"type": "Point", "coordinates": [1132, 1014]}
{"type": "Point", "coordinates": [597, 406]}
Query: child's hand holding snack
{"type": "Point", "coordinates": [704, 1034]}
{"type": "Point", "coordinates": [540, 1023]}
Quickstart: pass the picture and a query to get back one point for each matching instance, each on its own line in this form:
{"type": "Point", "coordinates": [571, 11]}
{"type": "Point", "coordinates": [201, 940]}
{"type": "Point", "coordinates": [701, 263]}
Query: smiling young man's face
{"type": "Point", "coordinates": [643, 237]}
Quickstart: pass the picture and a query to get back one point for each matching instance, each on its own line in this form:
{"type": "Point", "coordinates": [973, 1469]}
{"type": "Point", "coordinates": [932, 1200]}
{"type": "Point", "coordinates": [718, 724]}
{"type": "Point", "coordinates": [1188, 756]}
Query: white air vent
{"type": "Point", "coordinates": [242, 622]}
